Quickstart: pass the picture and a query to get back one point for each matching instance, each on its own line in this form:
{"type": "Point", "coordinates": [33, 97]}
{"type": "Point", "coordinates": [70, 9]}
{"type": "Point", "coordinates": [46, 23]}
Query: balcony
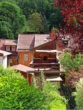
{"type": "Point", "coordinates": [49, 62]}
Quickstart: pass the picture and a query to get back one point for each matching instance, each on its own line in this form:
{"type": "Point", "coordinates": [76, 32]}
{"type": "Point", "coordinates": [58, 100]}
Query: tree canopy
{"type": "Point", "coordinates": [14, 15]}
{"type": "Point", "coordinates": [35, 22]}
{"type": "Point", "coordinates": [11, 20]}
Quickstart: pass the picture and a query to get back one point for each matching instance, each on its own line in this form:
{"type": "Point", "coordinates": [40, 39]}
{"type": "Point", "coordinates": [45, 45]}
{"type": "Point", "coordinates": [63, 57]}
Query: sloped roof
{"type": "Point", "coordinates": [25, 41]}
{"type": "Point", "coordinates": [4, 42]}
{"type": "Point", "coordinates": [2, 46]}
{"type": "Point", "coordinates": [30, 41]}
{"type": "Point", "coordinates": [4, 53]}
{"type": "Point", "coordinates": [10, 42]}
{"type": "Point", "coordinates": [41, 39]}
{"type": "Point", "coordinates": [22, 68]}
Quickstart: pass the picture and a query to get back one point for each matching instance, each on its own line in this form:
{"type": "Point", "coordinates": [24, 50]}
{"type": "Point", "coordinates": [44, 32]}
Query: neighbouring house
{"type": "Point", "coordinates": [40, 51]}
{"type": "Point", "coordinates": [4, 57]}
{"type": "Point", "coordinates": [10, 45]}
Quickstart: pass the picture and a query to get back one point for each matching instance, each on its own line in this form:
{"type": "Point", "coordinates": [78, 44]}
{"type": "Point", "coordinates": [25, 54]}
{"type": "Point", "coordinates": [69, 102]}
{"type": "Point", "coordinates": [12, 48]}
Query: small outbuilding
{"type": "Point", "coordinates": [26, 71]}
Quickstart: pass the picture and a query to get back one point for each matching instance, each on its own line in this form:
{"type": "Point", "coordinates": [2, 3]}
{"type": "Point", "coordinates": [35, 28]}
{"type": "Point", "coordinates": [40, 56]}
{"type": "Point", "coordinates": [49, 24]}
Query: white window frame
{"type": "Point", "coordinates": [25, 57]}
{"type": "Point", "coordinates": [7, 48]}
{"type": "Point", "coordinates": [13, 48]}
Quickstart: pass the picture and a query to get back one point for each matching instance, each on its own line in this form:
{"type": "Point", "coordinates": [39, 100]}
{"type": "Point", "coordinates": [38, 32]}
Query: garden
{"type": "Point", "coordinates": [15, 93]}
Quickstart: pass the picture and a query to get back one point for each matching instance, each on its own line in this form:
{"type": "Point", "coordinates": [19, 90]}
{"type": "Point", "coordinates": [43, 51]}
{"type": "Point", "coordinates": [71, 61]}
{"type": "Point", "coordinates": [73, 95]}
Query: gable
{"type": "Point", "coordinates": [27, 42]}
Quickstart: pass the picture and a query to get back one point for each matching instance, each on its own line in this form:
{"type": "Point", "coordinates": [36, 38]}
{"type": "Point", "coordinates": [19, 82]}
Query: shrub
{"type": "Point", "coordinates": [79, 94]}
{"type": "Point", "coordinates": [15, 93]}
{"type": "Point", "coordinates": [54, 99]}
{"type": "Point", "coordinates": [69, 63]}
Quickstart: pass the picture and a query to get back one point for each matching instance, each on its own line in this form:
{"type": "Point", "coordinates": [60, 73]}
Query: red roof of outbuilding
{"type": "Point", "coordinates": [22, 68]}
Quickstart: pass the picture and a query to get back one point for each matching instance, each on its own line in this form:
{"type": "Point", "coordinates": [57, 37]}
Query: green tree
{"type": "Point", "coordinates": [28, 6]}
{"type": "Point", "coordinates": [69, 63]}
{"type": "Point", "coordinates": [55, 18]}
{"type": "Point", "coordinates": [79, 94]}
{"type": "Point", "coordinates": [41, 80]}
{"type": "Point", "coordinates": [35, 22]}
{"type": "Point", "coordinates": [34, 81]}
{"type": "Point", "coordinates": [10, 14]}
{"type": "Point", "coordinates": [15, 93]}
{"type": "Point", "coordinates": [55, 101]}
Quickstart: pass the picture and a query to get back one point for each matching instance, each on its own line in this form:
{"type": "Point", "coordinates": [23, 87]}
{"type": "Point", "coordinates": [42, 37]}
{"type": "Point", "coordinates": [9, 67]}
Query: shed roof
{"type": "Point", "coordinates": [5, 53]}
{"type": "Point", "coordinates": [22, 68]}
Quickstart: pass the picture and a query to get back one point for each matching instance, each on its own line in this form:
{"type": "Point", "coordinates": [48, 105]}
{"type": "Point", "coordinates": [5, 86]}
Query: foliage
{"type": "Point", "coordinates": [79, 94]}
{"type": "Point", "coordinates": [27, 7]}
{"type": "Point", "coordinates": [11, 20]}
{"type": "Point", "coordinates": [68, 8]}
{"type": "Point", "coordinates": [69, 63]}
{"type": "Point", "coordinates": [56, 18]}
{"type": "Point", "coordinates": [53, 97]}
{"type": "Point", "coordinates": [33, 81]}
{"type": "Point", "coordinates": [15, 93]}
{"type": "Point", "coordinates": [41, 80]}
{"type": "Point", "coordinates": [57, 105]}
{"type": "Point", "coordinates": [56, 30]}
{"type": "Point", "coordinates": [35, 22]}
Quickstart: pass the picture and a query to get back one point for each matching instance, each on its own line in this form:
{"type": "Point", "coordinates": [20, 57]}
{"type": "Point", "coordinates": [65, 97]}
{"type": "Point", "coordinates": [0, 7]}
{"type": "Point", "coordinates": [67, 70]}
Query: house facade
{"type": "Point", "coordinates": [9, 45]}
{"type": "Point", "coordinates": [23, 50]}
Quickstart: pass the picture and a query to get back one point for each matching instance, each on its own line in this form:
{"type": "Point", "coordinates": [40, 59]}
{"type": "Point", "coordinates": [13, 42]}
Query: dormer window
{"type": "Point", "coordinates": [13, 48]}
{"type": "Point", "coordinates": [7, 48]}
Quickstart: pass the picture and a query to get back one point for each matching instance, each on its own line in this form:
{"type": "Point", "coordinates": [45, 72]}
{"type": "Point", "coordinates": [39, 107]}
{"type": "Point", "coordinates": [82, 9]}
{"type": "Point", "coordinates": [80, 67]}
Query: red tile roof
{"type": "Point", "coordinates": [30, 41]}
{"type": "Point", "coordinates": [25, 41]}
{"type": "Point", "coordinates": [2, 46]}
{"type": "Point", "coordinates": [10, 42]}
{"type": "Point", "coordinates": [4, 42]}
{"type": "Point", "coordinates": [41, 39]}
{"type": "Point", "coordinates": [22, 68]}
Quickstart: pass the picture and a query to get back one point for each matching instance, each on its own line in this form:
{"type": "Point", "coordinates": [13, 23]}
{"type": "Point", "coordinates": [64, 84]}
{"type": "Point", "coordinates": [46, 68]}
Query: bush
{"type": "Point", "coordinates": [69, 63]}
{"type": "Point", "coordinates": [55, 100]}
{"type": "Point", "coordinates": [79, 94]}
{"type": "Point", "coordinates": [15, 93]}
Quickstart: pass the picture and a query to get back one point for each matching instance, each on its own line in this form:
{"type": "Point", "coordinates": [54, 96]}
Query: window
{"type": "Point", "coordinates": [45, 58]}
{"type": "Point", "coordinates": [10, 62]}
{"type": "Point", "coordinates": [25, 57]}
{"type": "Point", "coordinates": [7, 48]}
{"type": "Point", "coordinates": [13, 48]}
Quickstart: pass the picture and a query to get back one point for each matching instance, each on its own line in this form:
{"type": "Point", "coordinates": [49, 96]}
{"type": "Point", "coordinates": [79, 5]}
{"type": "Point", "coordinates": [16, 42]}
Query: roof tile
{"type": "Point", "coordinates": [25, 41]}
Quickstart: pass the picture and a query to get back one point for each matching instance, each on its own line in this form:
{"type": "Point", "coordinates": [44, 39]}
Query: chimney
{"type": "Point", "coordinates": [52, 34]}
